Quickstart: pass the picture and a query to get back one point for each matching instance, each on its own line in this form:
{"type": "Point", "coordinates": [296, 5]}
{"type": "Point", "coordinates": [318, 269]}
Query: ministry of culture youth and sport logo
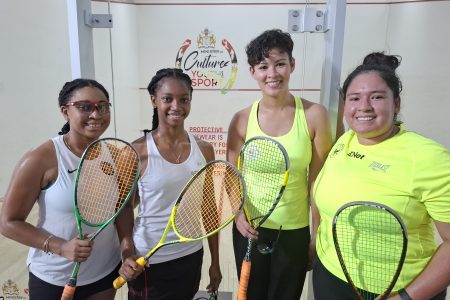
{"type": "Point", "coordinates": [210, 65]}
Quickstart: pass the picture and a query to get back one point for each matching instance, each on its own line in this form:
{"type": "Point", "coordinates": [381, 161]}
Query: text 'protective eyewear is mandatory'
{"type": "Point", "coordinates": [87, 106]}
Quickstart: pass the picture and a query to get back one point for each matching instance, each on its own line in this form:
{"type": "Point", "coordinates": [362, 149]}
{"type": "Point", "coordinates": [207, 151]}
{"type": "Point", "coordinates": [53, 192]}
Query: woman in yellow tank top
{"type": "Point", "coordinates": [302, 127]}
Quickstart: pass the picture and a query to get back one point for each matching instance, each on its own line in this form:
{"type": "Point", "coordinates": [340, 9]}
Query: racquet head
{"type": "Point", "coordinates": [264, 164]}
{"type": "Point", "coordinates": [107, 175]}
{"type": "Point", "coordinates": [371, 242]}
{"type": "Point", "coordinates": [105, 181]}
{"type": "Point", "coordinates": [209, 201]}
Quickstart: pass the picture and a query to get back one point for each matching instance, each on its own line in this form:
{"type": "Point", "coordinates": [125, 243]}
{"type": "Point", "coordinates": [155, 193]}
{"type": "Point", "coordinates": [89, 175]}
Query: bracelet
{"type": "Point", "coordinates": [404, 295]}
{"type": "Point", "coordinates": [46, 248]}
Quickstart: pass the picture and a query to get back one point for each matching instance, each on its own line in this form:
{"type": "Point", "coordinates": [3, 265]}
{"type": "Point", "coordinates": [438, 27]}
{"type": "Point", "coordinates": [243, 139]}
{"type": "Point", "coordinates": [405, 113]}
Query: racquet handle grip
{"type": "Point", "coordinates": [120, 281]}
{"type": "Point", "coordinates": [243, 281]}
{"type": "Point", "coordinates": [68, 292]}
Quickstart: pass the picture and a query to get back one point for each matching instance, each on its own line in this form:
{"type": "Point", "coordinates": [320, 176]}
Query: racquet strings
{"type": "Point", "coordinates": [210, 201]}
{"type": "Point", "coordinates": [371, 241]}
{"type": "Point", "coordinates": [105, 179]}
{"type": "Point", "coordinates": [264, 168]}
{"type": "Point", "coordinates": [264, 165]}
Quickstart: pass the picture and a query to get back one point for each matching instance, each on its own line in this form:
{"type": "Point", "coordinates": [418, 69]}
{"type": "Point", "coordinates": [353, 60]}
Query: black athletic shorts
{"type": "Point", "coordinates": [175, 279]}
{"type": "Point", "coordinates": [42, 290]}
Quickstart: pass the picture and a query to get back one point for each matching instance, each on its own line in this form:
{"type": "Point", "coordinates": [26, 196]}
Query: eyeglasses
{"type": "Point", "coordinates": [269, 246]}
{"type": "Point", "coordinates": [87, 106]}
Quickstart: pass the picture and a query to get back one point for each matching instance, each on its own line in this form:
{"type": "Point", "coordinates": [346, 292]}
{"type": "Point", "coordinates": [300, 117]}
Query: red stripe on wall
{"type": "Point", "coordinates": [267, 3]}
{"type": "Point", "coordinates": [247, 90]}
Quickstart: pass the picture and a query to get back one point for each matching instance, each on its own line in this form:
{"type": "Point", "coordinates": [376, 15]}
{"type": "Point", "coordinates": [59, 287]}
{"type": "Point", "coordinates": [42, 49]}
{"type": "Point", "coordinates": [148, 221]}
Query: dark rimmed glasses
{"type": "Point", "coordinates": [269, 246]}
{"type": "Point", "coordinates": [88, 107]}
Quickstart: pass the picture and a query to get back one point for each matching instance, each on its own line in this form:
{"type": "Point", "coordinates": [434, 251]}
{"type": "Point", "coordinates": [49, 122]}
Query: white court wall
{"type": "Point", "coordinates": [35, 63]}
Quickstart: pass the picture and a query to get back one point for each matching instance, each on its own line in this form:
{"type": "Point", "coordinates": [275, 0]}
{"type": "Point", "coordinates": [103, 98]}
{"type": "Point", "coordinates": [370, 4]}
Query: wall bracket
{"type": "Point", "coordinates": [98, 20]}
{"type": "Point", "coordinates": [308, 19]}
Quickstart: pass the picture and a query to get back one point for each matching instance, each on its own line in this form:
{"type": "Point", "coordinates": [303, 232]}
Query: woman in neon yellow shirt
{"type": "Point", "coordinates": [377, 160]}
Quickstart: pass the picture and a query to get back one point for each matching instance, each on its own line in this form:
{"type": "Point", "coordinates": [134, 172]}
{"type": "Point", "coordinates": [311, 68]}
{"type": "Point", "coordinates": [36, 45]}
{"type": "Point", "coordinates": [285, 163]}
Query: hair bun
{"type": "Point", "coordinates": [379, 58]}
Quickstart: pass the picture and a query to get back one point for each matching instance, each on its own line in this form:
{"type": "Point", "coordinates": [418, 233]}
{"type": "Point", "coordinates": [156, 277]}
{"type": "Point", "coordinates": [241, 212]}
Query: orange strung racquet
{"type": "Point", "coordinates": [105, 181]}
{"type": "Point", "coordinates": [209, 202]}
{"type": "Point", "coordinates": [371, 242]}
{"type": "Point", "coordinates": [264, 164]}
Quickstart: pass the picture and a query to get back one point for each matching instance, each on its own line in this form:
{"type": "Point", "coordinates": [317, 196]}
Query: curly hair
{"type": "Point", "coordinates": [259, 47]}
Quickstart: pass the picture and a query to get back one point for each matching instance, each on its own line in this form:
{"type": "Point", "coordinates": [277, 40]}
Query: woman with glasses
{"type": "Point", "coordinates": [45, 175]}
{"type": "Point", "coordinates": [302, 127]}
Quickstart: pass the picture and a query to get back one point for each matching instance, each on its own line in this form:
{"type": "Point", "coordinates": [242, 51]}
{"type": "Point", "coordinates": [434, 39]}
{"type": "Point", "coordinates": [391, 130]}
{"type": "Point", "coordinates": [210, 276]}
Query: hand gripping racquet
{"type": "Point", "coordinates": [371, 242]}
{"type": "Point", "coordinates": [264, 164]}
{"type": "Point", "coordinates": [209, 202]}
{"type": "Point", "coordinates": [105, 181]}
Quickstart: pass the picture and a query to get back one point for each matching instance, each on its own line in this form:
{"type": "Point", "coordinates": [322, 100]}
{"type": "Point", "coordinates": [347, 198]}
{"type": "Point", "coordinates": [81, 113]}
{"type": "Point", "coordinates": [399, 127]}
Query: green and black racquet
{"type": "Point", "coordinates": [371, 242]}
{"type": "Point", "coordinates": [105, 181]}
{"type": "Point", "coordinates": [264, 164]}
{"type": "Point", "coordinates": [207, 204]}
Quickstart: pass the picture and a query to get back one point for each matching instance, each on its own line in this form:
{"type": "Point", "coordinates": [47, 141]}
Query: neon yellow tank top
{"type": "Point", "coordinates": [292, 212]}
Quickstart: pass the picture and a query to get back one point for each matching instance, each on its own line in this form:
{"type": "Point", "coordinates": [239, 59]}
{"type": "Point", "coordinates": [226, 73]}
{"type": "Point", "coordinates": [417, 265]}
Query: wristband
{"type": "Point", "coordinates": [404, 295]}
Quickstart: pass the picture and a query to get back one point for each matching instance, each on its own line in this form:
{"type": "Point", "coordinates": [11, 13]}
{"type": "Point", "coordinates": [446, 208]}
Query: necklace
{"type": "Point", "coordinates": [67, 144]}
{"type": "Point", "coordinates": [177, 157]}
{"type": "Point", "coordinates": [171, 145]}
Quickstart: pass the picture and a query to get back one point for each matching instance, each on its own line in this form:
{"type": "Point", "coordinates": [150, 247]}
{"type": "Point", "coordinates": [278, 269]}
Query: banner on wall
{"type": "Point", "coordinates": [216, 136]}
{"type": "Point", "coordinates": [210, 63]}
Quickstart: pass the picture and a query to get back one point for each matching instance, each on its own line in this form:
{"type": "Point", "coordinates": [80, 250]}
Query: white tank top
{"type": "Point", "coordinates": [159, 188]}
{"type": "Point", "coordinates": [56, 216]}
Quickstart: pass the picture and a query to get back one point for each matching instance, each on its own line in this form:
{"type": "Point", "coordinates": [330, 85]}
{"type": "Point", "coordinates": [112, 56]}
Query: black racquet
{"type": "Point", "coordinates": [371, 242]}
{"type": "Point", "coordinates": [264, 164]}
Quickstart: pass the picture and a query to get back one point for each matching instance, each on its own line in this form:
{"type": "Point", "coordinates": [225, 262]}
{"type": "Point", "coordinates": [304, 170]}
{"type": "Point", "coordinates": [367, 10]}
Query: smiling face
{"type": "Point", "coordinates": [273, 73]}
{"type": "Point", "coordinates": [370, 108]}
{"type": "Point", "coordinates": [90, 125]}
{"type": "Point", "coordinates": [173, 101]}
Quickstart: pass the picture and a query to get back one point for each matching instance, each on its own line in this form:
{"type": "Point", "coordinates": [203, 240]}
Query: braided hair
{"type": "Point", "coordinates": [155, 84]}
{"type": "Point", "coordinates": [70, 88]}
